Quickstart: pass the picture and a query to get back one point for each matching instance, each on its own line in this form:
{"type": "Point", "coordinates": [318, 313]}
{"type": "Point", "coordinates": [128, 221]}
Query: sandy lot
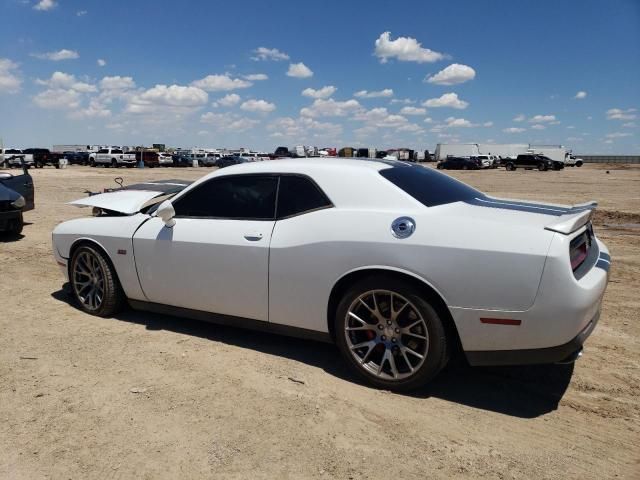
{"type": "Point", "coordinates": [149, 396]}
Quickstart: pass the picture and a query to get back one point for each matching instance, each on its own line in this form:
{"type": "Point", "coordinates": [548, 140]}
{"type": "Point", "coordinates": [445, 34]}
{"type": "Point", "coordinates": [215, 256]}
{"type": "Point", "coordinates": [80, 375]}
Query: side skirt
{"type": "Point", "coordinates": [232, 321]}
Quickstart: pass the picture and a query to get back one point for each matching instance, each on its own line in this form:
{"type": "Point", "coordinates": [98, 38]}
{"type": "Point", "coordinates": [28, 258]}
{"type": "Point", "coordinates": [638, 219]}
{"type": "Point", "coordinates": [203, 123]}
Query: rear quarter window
{"type": "Point", "coordinates": [428, 186]}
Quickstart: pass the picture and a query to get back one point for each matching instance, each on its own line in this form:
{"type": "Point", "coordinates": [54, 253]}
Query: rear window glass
{"type": "Point", "coordinates": [428, 186]}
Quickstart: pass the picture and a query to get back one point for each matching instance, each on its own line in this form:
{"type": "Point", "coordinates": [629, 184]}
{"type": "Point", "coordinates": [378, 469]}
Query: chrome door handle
{"type": "Point", "coordinates": [253, 237]}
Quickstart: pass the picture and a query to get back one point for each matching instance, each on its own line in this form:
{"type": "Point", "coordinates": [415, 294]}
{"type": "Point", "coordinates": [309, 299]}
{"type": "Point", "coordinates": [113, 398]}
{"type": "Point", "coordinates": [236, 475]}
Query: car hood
{"type": "Point", "coordinates": [7, 194]}
{"type": "Point", "coordinates": [130, 199]}
{"type": "Point", "coordinates": [127, 202]}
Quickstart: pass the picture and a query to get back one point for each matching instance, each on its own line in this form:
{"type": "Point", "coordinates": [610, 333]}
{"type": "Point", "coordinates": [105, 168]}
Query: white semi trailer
{"type": "Point", "coordinates": [444, 150]}
{"type": "Point", "coordinates": [503, 150]}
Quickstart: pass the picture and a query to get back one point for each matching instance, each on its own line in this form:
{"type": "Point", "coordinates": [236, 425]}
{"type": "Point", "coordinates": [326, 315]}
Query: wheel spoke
{"type": "Point", "coordinates": [392, 364]}
{"type": "Point", "coordinates": [354, 316]}
{"type": "Point", "coordinates": [422, 337]}
{"type": "Point", "coordinates": [412, 352]}
{"type": "Point", "coordinates": [406, 359]}
{"type": "Point", "coordinates": [368, 343]}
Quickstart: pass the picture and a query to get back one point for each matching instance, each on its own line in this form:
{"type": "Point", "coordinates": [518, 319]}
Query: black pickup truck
{"type": "Point", "coordinates": [531, 161]}
{"type": "Point", "coordinates": [43, 156]}
{"type": "Point", "coordinates": [16, 196]}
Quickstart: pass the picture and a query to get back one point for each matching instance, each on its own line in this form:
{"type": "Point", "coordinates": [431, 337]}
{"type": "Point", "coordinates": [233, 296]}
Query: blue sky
{"type": "Point", "coordinates": [327, 73]}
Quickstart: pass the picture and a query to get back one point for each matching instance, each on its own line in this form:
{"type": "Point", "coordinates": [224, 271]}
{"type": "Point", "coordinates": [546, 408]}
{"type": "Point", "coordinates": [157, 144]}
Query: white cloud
{"type": "Point", "coordinates": [117, 83]}
{"type": "Point", "coordinates": [453, 122]}
{"type": "Point", "coordinates": [101, 62]}
{"type": "Point", "coordinates": [619, 114]}
{"type": "Point", "coordinates": [63, 54]}
{"type": "Point", "coordinates": [81, 13]}
{"type": "Point", "coordinates": [449, 100]}
{"type": "Point", "coordinates": [580, 95]}
{"type": "Point", "coordinates": [381, 118]}
{"type": "Point", "coordinates": [629, 125]}
{"type": "Point", "coordinates": [538, 126]}
{"type": "Point", "coordinates": [487, 124]}
{"type": "Point", "coordinates": [44, 5]}
{"type": "Point", "coordinates": [428, 120]}
{"type": "Point", "coordinates": [519, 118]}
{"type": "Point", "coordinates": [413, 111]}
{"type": "Point", "coordinates": [227, 101]}
{"type": "Point", "coordinates": [228, 122]}
{"type": "Point", "coordinates": [255, 77]}
{"type": "Point", "coordinates": [263, 53]}
{"type": "Point", "coordinates": [617, 135]}
{"type": "Point", "coordinates": [543, 119]}
{"type": "Point", "coordinates": [404, 48]}
{"type": "Point", "coordinates": [95, 110]}
{"type": "Point", "coordinates": [514, 130]}
{"type": "Point", "coordinates": [261, 106]}
{"type": "Point", "coordinates": [404, 101]}
{"type": "Point", "coordinates": [304, 128]}
{"type": "Point", "coordinates": [61, 80]}
{"type": "Point", "coordinates": [58, 99]}
{"type": "Point", "coordinates": [324, 92]}
{"type": "Point", "coordinates": [217, 83]}
{"type": "Point", "coordinates": [452, 75]}
{"type": "Point", "coordinates": [10, 81]}
{"type": "Point", "coordinates": [175, 98]}
{"type": "Point", "coordinates": [330, 108]}
{"type": "Point", "coordinates": [411, 128]}
{"type": "Point", "coordinates": [387, 92]}
{"type": "Point", "coordinates": [299, 70]}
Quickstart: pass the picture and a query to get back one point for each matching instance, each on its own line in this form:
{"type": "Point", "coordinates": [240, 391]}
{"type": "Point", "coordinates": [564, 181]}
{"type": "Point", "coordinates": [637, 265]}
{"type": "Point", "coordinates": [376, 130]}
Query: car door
{"type": "Point", "coordinates": [216, 256]}
{"type": "Point", "coordinates": [22, 184]}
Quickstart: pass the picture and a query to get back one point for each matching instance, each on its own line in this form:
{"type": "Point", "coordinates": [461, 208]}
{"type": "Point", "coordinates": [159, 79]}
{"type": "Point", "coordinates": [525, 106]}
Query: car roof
{"type": "Point", "coordinates": [310, 165]}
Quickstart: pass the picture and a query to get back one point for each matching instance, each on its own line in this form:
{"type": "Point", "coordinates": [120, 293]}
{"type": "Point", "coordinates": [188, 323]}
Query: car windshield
{"type": "Point", "coordinates": [428, 186]}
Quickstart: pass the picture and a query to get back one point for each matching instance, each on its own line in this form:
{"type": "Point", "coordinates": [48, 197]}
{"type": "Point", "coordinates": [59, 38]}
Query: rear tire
{"type": "Point", "coordinates": [542, 167]}
{"type": "Point", "coordinates": [94, 282]}
{"type": "Point", "coordinates": [92, 163]}
{"type": "Point", "coordinates": [403, 341]}
{"type": "Point", "coordinates": [114, 163]}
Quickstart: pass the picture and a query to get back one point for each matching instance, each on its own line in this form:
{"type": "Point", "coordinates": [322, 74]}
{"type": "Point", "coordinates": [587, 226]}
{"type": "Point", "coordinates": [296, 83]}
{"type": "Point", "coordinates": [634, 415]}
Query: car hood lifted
{"type": "Point", "coordinates": [132, 198]}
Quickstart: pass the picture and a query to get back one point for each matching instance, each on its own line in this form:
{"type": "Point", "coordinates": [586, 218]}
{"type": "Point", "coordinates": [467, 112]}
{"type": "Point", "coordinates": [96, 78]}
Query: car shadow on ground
{"type": "Point", "coordinates": [525, 392]}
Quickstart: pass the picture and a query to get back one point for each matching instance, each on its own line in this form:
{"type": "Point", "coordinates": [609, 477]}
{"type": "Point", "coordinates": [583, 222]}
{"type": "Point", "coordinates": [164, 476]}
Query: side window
{"type": "Point", "coordinates": [115, 150]}
{"type": "Point", "coordinates": [103, 150]}
{"type": "Point", "coordinates": [298, 195]}
{"type": "Point", "coordinates": [248, 197]}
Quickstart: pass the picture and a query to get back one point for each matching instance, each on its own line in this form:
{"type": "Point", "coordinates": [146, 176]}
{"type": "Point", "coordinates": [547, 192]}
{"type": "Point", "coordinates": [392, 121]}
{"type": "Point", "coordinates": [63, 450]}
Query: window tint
{"type": "Point", "coordinates": [116, 150]}
{"type": "Point", "coordinates": [298, 195]}
{"type": "Point", "coordinates": [103, 150]}
{"type": "Point", "coordinates": [236, 197]}
{"type": "Point", "coordinates": [429, 186]}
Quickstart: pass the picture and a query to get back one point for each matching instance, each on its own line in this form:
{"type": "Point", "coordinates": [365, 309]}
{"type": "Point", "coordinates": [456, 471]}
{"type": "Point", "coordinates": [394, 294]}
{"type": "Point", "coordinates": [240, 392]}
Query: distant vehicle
{"type": "Point", "coordinates": [444, 150]}
{"type": "Point", "coordinates": [149, 158]}
{"type": "Point", "coordinates": [43, 156]}
{"type": "Point", "coordinates": [181, 160]}
{"type": "Point", "coordinates": [165, 160]}
{"type": "Point", "coordinates": [347, 152]}
{"type": "Point", "coordinates": [458, 163]}
{"type": "Point", "coordinates": [112, 157]}
{"type": "Point", "coordinates": [75, 148]}
{"type": "Point", "coordinates": [328, 152]}
{"type": "Point", "coordinates": [486, 161]}
{"type": "Point", "coordinates": [281, 152]}
{"type": "Point", "coordinates": [13, 157]}
{"type": "Point", "coordinates": [298, 151]}
{"type": "Point", "coordinates": [503, 150]}
{"type": "Point", "coordinates": [77, 158]}
{"type": "Point", "coordinates": [230, 160]}
{"type": "Point", "coordinates": [558, 153]}
{"type": "Point", "coordinates": [16, 197]}
{"type": "Point", "coordinates": [210, 159]}
{"type": "Point", "coordinates": [531, 161]}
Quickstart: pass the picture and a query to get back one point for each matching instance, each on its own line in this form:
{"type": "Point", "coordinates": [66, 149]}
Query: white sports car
{"type": "Point", "coordinates": [398, 264]}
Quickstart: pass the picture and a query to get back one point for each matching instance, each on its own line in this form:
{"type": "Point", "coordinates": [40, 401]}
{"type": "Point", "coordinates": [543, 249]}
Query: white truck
{"type": "Point", "coordinates": [112, 157]}
{"type": "Point", "coordinates": [558, 153]}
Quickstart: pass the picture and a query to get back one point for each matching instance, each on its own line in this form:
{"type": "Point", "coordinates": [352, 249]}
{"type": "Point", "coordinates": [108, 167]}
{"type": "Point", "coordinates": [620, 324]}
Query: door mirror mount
{"type": "Point", "coordinates": [166, 212]}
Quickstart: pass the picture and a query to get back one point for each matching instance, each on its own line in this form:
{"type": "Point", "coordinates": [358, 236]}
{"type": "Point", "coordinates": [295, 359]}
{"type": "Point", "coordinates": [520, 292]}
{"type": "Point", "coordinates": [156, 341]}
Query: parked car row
{"type": "Point", "coordinates": [528, 162]}
{"type": "Point", "coordinates": [16, 196]}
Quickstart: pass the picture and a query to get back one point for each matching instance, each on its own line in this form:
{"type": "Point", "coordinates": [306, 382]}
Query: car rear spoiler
{"type": "Point", "coordinates": [571, 221]}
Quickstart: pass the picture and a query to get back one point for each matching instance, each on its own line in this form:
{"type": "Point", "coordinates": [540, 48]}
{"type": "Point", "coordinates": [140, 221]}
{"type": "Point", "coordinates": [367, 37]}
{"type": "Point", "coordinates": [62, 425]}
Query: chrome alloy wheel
{"type": "Point", "coordinates": [386, 334]}
{"type": "Point", "coordinates": [88, 280]}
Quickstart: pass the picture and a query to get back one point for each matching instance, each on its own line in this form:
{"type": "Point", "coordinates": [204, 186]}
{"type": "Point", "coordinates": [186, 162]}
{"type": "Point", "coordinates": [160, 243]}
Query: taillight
{"type": "Point", "coordinates": [579, 248]}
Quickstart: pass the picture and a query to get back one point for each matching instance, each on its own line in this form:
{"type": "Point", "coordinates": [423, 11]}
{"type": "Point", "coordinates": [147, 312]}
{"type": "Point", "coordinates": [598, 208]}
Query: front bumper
{"type": "Point", "coordinates": [7, 218]}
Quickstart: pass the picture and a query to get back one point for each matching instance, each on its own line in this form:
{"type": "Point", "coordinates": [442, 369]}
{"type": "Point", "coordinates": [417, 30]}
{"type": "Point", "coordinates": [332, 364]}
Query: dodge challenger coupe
{"type": "Point", "coordinates": [398, 264]}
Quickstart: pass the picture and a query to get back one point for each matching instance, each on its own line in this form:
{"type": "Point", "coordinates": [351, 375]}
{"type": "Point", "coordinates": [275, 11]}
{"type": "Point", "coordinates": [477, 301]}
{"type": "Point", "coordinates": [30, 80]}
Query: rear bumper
{"type": "Point", "coordinates": [559, 354]}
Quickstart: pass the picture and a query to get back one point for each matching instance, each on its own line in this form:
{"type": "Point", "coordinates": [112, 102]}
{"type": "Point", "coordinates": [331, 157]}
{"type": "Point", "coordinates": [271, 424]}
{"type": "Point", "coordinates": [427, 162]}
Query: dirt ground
{"type": "Point", "coordinates": [150, 396]}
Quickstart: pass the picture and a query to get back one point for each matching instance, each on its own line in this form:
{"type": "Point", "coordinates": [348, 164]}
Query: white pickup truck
{"type": "Point", "coordinates": [112, 157]}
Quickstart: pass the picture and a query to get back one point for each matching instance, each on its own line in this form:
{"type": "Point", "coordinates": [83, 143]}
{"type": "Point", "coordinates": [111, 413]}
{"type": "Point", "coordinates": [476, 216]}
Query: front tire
{"type": "Point", "coordinates": [94, 283]}
{"type": "Point", "coordinates": [389, 334]}
{"type": "Point", "coordinates": [114, 163]}
{"type": "Point", "coordinates": [510, 167]}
